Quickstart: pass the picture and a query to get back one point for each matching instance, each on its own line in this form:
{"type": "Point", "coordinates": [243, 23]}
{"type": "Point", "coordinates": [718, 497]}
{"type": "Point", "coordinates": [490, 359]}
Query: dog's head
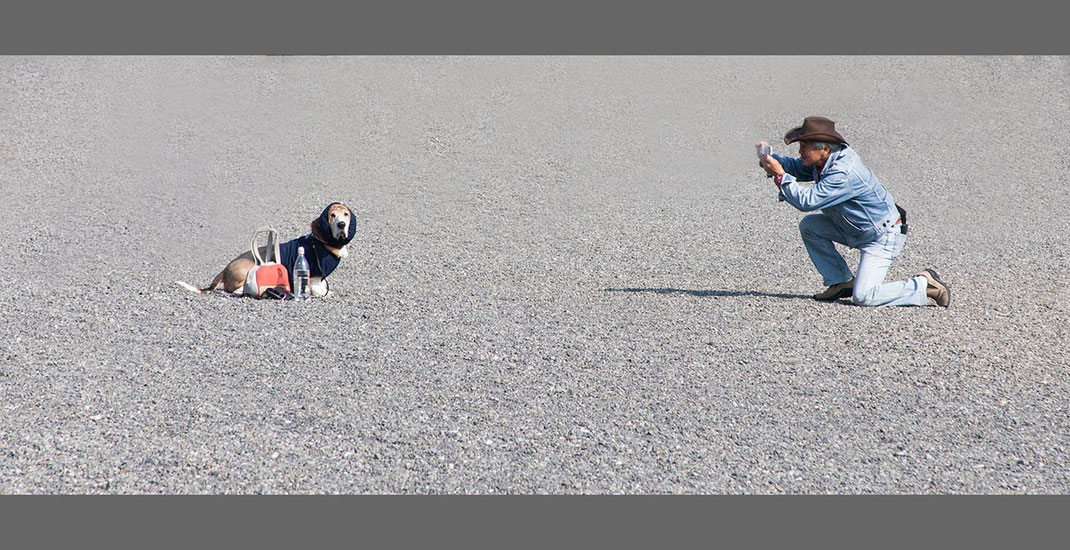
{"type": "Point", "coordinates": [336, 226]}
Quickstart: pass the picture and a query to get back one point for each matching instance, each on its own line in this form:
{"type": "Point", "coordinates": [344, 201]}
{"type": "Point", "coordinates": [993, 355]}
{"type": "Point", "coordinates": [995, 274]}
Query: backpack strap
{"type": "Point", "coordinates": [272, 245]}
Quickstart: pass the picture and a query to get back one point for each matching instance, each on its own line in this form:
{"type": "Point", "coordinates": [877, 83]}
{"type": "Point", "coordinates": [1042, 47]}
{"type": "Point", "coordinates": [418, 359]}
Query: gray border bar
{"type": "Point", "coordinates": [545, 27]}
{"type": "Point", "coordinates": [535, 521]}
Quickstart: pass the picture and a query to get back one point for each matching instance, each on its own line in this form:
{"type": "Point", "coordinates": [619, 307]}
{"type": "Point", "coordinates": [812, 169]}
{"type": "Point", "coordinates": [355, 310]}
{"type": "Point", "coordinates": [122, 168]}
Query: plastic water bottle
{"type": "Point", "coordinates": [300, 275]}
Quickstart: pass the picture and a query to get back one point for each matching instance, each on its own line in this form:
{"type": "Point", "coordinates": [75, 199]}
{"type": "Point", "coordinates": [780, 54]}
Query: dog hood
{"type": "Point", "coordinates": [324, 228]}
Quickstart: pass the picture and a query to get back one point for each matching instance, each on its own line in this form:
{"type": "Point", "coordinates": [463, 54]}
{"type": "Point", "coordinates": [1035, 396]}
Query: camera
{"type": "Point", "coordinates": [763, 151]}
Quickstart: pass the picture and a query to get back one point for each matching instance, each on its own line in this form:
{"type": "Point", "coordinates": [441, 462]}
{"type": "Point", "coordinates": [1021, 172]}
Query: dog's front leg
{"type": "Point", "coordinates": [318, 286]}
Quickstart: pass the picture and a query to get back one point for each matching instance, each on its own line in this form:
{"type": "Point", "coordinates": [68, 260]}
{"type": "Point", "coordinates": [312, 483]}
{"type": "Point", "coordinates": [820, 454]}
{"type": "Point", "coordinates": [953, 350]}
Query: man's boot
{"type": "Point", "coordinates": [837, 291]}
{"type": "Point", "coordinates": [936, 289]}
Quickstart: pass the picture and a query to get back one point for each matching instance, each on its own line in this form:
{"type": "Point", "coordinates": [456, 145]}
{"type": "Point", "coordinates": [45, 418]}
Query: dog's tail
{"type": "Point", "coordinates": [207, 290]}
{"type": "Point", "coordinates": [192, 288]}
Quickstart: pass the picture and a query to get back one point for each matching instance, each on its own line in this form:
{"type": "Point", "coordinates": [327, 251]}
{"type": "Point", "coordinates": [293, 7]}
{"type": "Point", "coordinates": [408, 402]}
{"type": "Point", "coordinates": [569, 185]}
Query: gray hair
{"type": "Point", "coordinates": [832, 147]}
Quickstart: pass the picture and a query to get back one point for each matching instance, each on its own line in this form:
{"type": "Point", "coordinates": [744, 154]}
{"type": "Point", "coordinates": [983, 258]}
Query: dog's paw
{"type": "Point", "coordinates": [343, 252]}
{"type": "Point", "coordinates": [318, 287]}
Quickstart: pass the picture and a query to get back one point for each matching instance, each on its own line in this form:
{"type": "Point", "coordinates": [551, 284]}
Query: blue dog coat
{"type": "Point", "coordinates": [321, 263]}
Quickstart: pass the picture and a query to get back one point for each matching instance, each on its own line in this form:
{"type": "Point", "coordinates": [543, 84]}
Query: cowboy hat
{"type": "Point", "coordinates": [815, 128]}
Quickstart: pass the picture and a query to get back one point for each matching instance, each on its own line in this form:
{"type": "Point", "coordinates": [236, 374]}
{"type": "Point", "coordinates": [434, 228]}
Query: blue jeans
{"type": "Point", "coordinates": [819, 234]}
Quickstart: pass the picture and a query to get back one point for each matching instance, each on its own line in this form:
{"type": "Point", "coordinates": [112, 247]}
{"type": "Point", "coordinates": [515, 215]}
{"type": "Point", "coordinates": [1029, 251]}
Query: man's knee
{"type": "Point", "coordinates": [866, 297]}
{"type": "Point", "coordinates": [809, 224]}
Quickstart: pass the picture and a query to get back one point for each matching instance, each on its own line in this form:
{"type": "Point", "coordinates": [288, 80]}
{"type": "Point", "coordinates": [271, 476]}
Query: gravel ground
{"type": "Point", "coordinates": [569, 276]}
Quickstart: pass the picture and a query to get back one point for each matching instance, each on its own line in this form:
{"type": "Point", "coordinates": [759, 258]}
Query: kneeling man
{"type": "Point", "coordinates": [856, 211]}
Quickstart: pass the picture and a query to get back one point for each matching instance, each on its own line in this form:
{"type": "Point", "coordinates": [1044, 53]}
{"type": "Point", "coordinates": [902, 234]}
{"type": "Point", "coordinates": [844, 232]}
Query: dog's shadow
{"type": "Point", "coordinates": [711, 293]}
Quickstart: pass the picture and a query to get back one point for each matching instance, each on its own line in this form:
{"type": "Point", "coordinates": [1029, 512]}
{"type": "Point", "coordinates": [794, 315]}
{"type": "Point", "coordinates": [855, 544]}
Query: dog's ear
{"type": "Point", "coordinates": [314, 227]}
{"type": "Point", "coordinates": [352, 224]}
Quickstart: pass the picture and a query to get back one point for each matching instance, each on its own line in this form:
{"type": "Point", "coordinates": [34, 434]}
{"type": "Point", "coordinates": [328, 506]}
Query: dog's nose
{"type": "Point", "coordinates": [341, 225]}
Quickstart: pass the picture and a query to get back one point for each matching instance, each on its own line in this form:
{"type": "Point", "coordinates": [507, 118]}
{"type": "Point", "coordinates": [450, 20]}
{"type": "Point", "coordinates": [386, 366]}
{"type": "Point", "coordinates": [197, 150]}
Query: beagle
{"type": "Point", "coordinates": [325, 246]}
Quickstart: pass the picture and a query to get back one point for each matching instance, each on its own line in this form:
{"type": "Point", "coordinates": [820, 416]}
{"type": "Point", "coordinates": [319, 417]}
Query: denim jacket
{"type": "Point", "coordinates": [846, 191]}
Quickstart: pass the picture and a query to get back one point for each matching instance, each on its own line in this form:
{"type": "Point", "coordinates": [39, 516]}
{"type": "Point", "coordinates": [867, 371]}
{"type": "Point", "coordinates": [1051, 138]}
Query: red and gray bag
{"type": "Point", "coordinates": [266, 275]}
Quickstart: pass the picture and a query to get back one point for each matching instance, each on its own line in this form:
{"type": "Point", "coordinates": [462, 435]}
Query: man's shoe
{"type": "Point", "coordinates": [837, 291]}
{"type": "Point", "coordinates": [936, 289]}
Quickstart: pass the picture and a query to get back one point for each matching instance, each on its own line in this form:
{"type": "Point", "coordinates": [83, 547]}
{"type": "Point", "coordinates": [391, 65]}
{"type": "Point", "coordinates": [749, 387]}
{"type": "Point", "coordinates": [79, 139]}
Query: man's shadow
{"type": "Point", "coordinates": [709, 293]}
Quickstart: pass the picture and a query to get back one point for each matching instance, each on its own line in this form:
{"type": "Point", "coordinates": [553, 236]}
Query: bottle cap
{"type": "Point", "coordinates": [300, 250]}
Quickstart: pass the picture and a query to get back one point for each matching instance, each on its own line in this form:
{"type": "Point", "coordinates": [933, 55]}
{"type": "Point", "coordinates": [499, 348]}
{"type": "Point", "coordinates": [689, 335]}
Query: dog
{"type": "Point", "coordinates": [326, 246]}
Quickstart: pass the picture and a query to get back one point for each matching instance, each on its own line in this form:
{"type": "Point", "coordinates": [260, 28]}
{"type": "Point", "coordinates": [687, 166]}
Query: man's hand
{"type": "Point", "coordinates": [772, 166]}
